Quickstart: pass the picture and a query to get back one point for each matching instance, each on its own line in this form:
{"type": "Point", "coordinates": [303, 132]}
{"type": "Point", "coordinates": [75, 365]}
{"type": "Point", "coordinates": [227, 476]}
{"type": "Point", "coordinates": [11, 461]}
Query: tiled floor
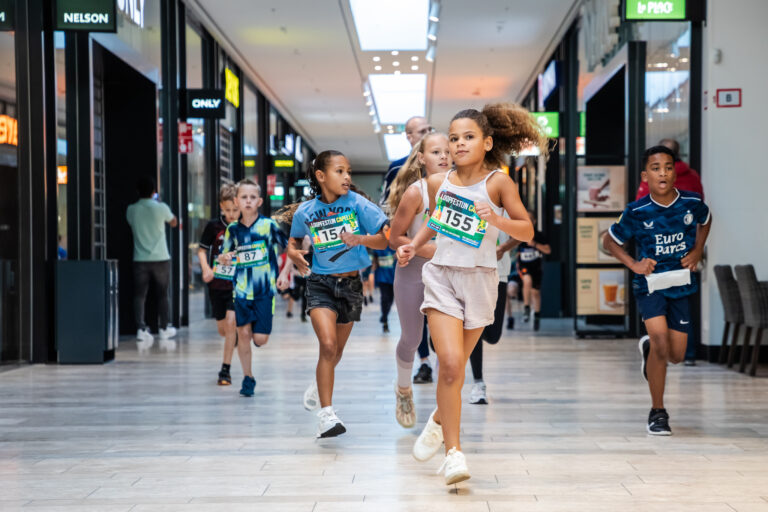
{"type": "Point", "coordinates": [564, 432]}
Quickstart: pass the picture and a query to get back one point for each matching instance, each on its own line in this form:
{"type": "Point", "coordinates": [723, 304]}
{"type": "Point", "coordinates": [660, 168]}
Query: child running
{"type": "Point", "coordinates": [253, 241]}
{"type": "Point", "coordinates": [384, 276]}
{"type": "Point", "coordinates": [409, 201]}
{"type": "Point", "coordinates": [219, 277]}
{"type": "Point", "coordinates": [341, 224]}
{"type": "Point", "coordinates": [670, 228]}
{"type": "Point", "coordinates": [529, 264]}
{"type": "Point", "coordinates": [461, 281]}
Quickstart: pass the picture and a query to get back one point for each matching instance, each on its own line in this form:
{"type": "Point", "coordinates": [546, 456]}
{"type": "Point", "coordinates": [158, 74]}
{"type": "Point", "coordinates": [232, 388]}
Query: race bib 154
{"type": "Point", "coordinates": [455, 217]}
{"type": "Point", "coordinates": [326, 232]}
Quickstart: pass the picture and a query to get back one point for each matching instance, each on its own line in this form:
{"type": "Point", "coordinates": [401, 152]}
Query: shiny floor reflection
{"type": "Point", "coordinates": [564, 431]}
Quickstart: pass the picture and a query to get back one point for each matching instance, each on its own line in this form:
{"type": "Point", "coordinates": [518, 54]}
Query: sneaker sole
{"type": "Point", "coordinates": [482, 401]}
{"type": "Point", "coordinates": [454, 479]}
{"type": "Point", "coordinates": [334, 431]}
{"type": "Point", "coordinates": [310, 407]}
{"type": "Point", "coordinates": [225, 383]}
{"type": "Point", "coordinates": [651, 433]}
{"type": "Point", "coordinates": [642, 358]}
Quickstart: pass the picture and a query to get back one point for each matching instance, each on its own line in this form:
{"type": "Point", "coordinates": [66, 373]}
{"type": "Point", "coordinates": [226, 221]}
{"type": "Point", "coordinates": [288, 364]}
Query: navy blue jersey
{"type": "Point", "coordinates": [663, 233]}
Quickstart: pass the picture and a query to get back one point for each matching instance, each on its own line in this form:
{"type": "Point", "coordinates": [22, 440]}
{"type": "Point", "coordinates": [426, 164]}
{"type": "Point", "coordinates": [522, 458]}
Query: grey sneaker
{"type": "Point", "coordinates": [404, 410]}
{"type": "Point", "coordinates": [477, 396]}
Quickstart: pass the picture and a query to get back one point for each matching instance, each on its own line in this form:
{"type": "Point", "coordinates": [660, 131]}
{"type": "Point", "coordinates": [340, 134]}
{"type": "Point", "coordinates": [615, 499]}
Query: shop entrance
{"type": "Point", "coordinates": [125, 149]}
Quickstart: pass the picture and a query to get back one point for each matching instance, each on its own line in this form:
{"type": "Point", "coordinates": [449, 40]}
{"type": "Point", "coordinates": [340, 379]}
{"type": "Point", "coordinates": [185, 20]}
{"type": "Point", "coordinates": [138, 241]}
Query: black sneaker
{"type": "Point", "coordinates": [527, 313]}
{"type": "Point", "coordinates": [289, 314]}
{"type": "Point", "coordinates": [365, 300]}
{"type": "Point", "coordinates": [658, 423]}
{"type": "Point", "coordinates": [536, 322]}
{"type": "Point", "coordinates": [225, 379]}
{"type": "Point", "coordinates": [304, 318]}
{"type": "Point", "coordinates": [424, 375]}
{"type": "Point", "coordinates": [385, 327]}
{"type": "Point", "coordinates": [644, 345]}
{"type": "Point", "coordinates": [370, 299]}
{"type": "Point", "coordinates": [510, 323]}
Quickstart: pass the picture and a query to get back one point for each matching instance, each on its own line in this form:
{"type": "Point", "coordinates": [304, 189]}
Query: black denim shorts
{"type": "Point", "coordinates": [344, 295]}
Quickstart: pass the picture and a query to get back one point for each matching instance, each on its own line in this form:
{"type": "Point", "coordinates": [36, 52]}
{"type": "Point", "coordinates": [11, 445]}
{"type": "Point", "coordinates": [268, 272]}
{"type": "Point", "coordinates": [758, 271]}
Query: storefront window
{"type": "Point", "coordinates": [62, 175]}
{"type": "Point", "coordinates": [250, 132]}
{"type": "Point", "coordinates": [11, 347]}
{"type": "Point", "coordinates": [200, 205]}
{"type": "Point", "coordinates": [667, 82]}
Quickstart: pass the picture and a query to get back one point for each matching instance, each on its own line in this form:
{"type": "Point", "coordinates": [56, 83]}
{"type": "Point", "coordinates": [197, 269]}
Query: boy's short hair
{"type": "Point", "coordinates": [227, 192]}
{"type": "Point", "coordinates": [250, 182]}
{"type": "Point", "coordinates": [145, 186]}
{"type": "Point", "coordinates": [655, 150]}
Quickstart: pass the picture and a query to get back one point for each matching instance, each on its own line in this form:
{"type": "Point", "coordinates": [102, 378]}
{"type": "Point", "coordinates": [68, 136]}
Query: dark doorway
{"type": "Point", "coordinates": [10, 346]}
{"type": "Point", "coordinates": [129, 150]}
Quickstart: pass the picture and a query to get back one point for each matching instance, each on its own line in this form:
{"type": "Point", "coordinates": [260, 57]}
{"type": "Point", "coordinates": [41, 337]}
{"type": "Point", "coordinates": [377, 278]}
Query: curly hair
{"type": "Point", "coordinates": [411, 172]}
{"type": "Point", "coordinates": [511, 127]}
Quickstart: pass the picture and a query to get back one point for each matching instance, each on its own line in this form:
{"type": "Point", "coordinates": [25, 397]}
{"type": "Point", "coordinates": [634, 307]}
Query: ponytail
{"type": "Point", "coordinates": [512, 128]}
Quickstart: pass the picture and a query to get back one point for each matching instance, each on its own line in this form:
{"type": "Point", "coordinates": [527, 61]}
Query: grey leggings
{"type": "Point", "coordinates": [409, 294]}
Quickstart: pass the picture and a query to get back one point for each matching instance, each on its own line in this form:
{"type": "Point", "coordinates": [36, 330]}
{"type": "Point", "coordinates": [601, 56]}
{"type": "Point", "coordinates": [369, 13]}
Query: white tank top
{"type": "Point", "coordinates": [421, 216]}
{"type": "Point", "coordinates": [454, 253]}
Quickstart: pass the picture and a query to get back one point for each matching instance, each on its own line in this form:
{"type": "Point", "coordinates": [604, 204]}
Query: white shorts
{"type": "Point", "coordinates": [468, 294]}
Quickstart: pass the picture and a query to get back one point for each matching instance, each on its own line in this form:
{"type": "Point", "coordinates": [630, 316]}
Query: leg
{"type": "Point", "coordinates": [657, 359]}
{"type": "Point", "coordinates": [476, 361]}
{"type": "Point", "coordinates": [678, 344]}
{"type": "Point", "coordinates": [536, 300]}
{"type": "Point", "coordinates": [244, 333]}
{"type": "Point", "coordinates": [424, 344]}
{"type": "Point", "coordinates": [141, 276]}
{"type": "Point", "coordinates": [228, 330]}
{"type": "Point", "coordinates": [527, 288]}
{"type": "Point", "coordinates": [162, 276]}
{"type": "Point", "coordinates": [387, 297]}
{"type": "Point", "coordinates": [324, 324]}
{"type": "Point", "coordinates": [408, 291]}
{"type": "Point", "coordinates": [492, 333]}
{"type": "Point", "coordinates": [453, 344]}
{"type": "Point", "coordinates": [512, 292]}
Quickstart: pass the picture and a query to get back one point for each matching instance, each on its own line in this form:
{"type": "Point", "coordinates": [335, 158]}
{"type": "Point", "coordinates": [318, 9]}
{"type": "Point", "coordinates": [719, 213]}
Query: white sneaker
{"type": "Point", "coordinates": [477, 396]}
{"type": "Point", "coordinates": [455, 467]}
{"type": "Point", "coordinates": [429, 441]}
{"type": "Point", "coordinates": [330, 425]}
{"type": "Point", "coordinates": [167, 333]}
{"type": "Point", "coordinates": [311, 398]}
{"type": "Point", "coordinates": [145, 336]}
{"type": "Point", "coordinates": [404, 410]}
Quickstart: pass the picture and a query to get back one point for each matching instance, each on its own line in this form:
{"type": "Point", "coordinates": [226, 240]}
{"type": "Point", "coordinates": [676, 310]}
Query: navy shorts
{"type": "Point", "coordinates": [677, 311]}
{"type": "Point", "coordinates": [344, 295]}
{"type": "Point", "coordinates": [258, 313]}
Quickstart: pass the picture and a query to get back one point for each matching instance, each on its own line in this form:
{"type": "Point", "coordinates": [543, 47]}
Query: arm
{"type": "Point", "coordinates": [518, 225]}
{"type": "Point", "coordinates": [506, 247]}
{"type": "Point", "coordinates": [410, 206]}
{"type": "Point", "coordinates": [692, 259]}
{"type": "Point", "coordinates": [202, 255]}
{"type": "Point", "coordinates": [406, 252]}
{"type": "Point", "coordinates": [644, 267]}
{"type": "Point", "coordinates": [173, 222]}
{"type": "Point", "coordinates": [284, 279]}
{"type": "Point", "coordinates": [542, 248]}
{"type": "Point", "coordinates": [296, 254]}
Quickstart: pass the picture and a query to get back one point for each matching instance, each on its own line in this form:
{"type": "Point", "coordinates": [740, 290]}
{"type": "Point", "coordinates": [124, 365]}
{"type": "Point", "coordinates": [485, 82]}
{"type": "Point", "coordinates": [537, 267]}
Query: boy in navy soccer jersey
{"type": "Point", "coordinates": [670, 228]}
{"type": "Point", "coordinates": [251, 245]}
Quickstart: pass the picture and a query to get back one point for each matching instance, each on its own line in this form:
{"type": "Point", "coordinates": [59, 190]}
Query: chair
{"type": "Point", "coordinates": [734, 313]}
{"type": "Point", "coordinates": [754, 300]}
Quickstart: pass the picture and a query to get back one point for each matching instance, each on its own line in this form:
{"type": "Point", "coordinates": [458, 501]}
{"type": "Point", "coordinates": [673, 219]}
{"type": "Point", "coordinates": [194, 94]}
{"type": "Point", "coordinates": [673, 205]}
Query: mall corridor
{"type": "Point", "coordinates": [564, 431]}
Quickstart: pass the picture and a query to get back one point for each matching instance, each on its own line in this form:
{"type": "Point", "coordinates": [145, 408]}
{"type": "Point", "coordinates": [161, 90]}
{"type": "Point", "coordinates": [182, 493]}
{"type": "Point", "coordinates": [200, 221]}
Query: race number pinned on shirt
{"type": "Point", "coordinates": [387, 261]}
{"type": "Point", "coordinates": [455, 217]}
{"type": "Point", "coordinates": [326, 232]}
{"type": "Point", "coordinates": [226, 272]}
{"type": "Point", "coordinates": [253, 255]}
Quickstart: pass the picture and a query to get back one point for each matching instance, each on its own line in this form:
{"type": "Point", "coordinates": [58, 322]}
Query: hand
{"type": "Point", "coordinates": [692, 259]}
{"type": "Point", "coordinates": [485, 212]}
{"type": "Point", "coordinates": [405, 253]}
{"type": "Point", "coordinates": [297, 257]}
{"type": "Point", "coordinates": [283, 282]}
{"type": "Point", "coordinates": [226, 258]}
{"type": "Point", "coordinates": [207, 275]}
{"type": "Point", "coordinates": [499, 253]}
{"type": "Point", "coordinates": [350, 239]}
{"type": "Point", "coordinates": [644, 267]}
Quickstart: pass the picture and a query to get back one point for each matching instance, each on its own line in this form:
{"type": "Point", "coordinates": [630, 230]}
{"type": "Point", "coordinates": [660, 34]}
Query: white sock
{"type": "Point", "coordinates": [404, 375]}
{"type": "Point", "coordinates": [328, 409]}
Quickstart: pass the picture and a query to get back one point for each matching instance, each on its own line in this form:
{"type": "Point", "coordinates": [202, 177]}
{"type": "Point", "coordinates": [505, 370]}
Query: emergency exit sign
{"type": "Point", "coordinates": [649, 10]}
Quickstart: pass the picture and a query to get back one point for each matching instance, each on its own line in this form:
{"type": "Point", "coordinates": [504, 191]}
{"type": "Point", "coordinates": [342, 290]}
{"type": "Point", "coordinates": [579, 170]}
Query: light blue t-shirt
{"type": "Point", "coordinates": [147, 218]}
{"type": "Point", "coordinates": [324, 224]}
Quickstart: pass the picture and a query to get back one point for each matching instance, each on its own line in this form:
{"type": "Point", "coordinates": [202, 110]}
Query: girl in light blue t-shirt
{"type": "Point", "coordinates": [341, 224]}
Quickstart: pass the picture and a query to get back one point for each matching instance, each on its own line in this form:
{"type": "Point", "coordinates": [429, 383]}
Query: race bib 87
{"type": "Point", "coordinates": [455, 217]}
{"type": "Point", "coordinates": [253, 255]}
{"type": "Point", "coordinates": [326, 232]}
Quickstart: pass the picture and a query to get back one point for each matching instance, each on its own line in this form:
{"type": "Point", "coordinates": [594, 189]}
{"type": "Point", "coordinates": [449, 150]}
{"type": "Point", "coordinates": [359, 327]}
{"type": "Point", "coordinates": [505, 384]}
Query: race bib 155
{"type": "Point", "coordinates": [455, 217]}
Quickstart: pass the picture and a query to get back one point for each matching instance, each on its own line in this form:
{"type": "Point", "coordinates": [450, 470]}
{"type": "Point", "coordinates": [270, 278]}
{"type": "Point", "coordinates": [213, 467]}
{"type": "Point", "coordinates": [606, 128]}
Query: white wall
{"type": "Point", "coordinates": [735, 147]}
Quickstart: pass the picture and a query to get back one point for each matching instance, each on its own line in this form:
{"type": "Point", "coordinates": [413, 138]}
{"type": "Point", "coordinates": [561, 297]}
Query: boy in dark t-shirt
{"type": "Point", "coordinates": [670, 228]}
{"type": "Point", "coordinates": [529, 266]}
{"type": "Point", "coordinates": [219, 277]}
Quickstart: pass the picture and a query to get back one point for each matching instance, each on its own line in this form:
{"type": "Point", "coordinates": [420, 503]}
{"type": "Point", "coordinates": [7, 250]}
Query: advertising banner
{"type": "Point", "coordinates": [601, 291]}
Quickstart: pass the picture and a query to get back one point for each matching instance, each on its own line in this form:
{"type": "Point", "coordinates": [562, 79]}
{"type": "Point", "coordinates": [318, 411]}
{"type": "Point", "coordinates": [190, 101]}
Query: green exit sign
{"type": "Point", "coordinates": [549, 123]}
{"type": "Point", "coordinates": [660, 10]}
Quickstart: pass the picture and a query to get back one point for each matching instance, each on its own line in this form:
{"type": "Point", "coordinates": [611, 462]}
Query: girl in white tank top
{"type": "Point", "coordinates": [410, 207]}
{"type": "Point", "coordinates": [461, 281]}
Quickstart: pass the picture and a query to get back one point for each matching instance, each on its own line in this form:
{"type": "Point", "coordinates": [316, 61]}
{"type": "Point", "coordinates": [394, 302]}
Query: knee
{"type": "Point", "coordinates": [222, 331]}
{"type": "Point", "coordinates": [261, 341]}
{"type": "Point", "coordinates": [660, 347]}
{"type": "Point", "coordinates": [451, 371]}
{"type": "Point", "coordinates": [327, 350]}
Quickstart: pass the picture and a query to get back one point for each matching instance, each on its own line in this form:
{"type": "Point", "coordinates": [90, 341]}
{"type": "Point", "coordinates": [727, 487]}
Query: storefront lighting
{"type": "Point", "coordinates": [432, 34]}
{"type": "Point", "coordinates": [61, 175]}
{"type": "Point", "coordinates": [376, 59]}
{"type": "Point", "coordinates": [415, 58]}
{"type": "Point", "coordinates": [368, 102]}
{"type": "Point", "coordinates": [396, 63]}
{"type": "Point", "coordinates": [374, 21]}
{"type": "Point", "coordinates": [9, 130]}
{"type": "Point", "coordinates": [684, 59]}
{"type": "Point", "coordinates": [377, 68]}
{"type": "Point", "coordinates": [249, 163]}
{"type": "Point", "coordinates": [395, 53]}
{"type": "Point", "coordinates": [430, 56]}
{"type": "Point", "coordinates": [414, 68]}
